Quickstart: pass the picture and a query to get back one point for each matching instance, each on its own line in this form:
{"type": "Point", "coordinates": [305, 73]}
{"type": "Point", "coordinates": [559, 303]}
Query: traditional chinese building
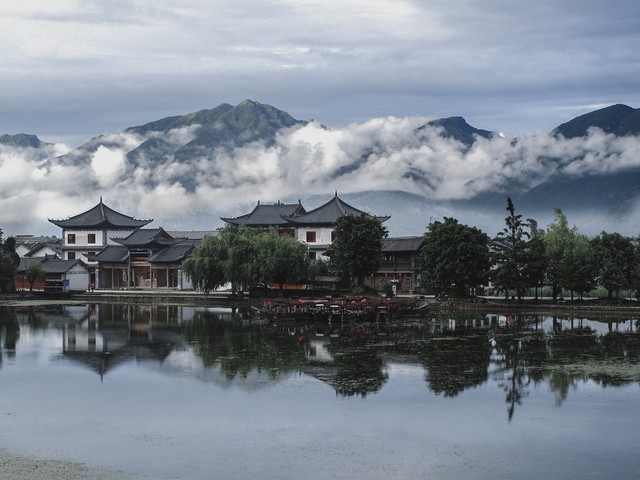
{"type": "Point", "coordinates": [87, 233]}
{"type": "Point", "coordinates": [399, 265]}
{"type": "Point", "coordinates": [313, 228]}
{"type": "Point", "coordinates": [147, 258]}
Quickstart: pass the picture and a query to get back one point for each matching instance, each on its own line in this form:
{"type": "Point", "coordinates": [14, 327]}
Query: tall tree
{"type": "Point", "coordinates": [455, 254]}
{"type": "Point", "coordinates": [510, 253]}
{"type": "Point", "coordinates": [581, 277]}
{"type": "Point", "coordinates": [536, 269]}
{"type": "Point", "coordinates": [616, 262]}
{"type": "Point", "coordinates": [9, 263]}
{"type": "Point", "coordinates": [559, 244]}
{"type": "Point", "coordinates": [357, 246]}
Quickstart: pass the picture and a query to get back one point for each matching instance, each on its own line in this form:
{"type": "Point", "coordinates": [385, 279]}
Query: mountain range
{"type": "Point", "coordinates": [582, 166]}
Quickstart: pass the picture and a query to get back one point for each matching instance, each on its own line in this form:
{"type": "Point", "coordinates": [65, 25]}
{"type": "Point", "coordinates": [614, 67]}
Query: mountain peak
{"type": "Point", "coordinates": [458, 129]}
{"type": "Point", "coordinates": [21, 140]}
{"type": "Point", "coordinates": [618, 119]}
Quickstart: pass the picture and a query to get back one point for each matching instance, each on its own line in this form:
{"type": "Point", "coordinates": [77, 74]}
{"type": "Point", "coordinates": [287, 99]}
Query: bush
{"type": "Point", "coordinates": [362, 291]}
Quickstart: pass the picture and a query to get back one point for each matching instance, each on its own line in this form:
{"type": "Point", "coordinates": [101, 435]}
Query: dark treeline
{"type": "Point", "coordinates": [524, 258]}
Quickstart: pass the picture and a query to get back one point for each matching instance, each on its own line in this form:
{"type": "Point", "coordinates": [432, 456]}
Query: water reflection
{"type": "Point", "coordinates": [457, 353]}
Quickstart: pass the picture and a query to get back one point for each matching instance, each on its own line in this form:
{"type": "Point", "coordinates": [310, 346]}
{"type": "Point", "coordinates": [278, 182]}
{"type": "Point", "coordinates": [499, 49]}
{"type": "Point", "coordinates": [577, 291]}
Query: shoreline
{"type": "Point", "coordinates": [29, 467]}
{"type": "Point", "coordinates": [190, 298]}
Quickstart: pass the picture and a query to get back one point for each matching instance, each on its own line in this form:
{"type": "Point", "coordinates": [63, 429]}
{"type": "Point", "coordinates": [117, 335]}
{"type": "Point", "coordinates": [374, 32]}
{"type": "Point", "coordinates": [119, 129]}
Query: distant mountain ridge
{"type": "Point", "coordinates": [616, 119]}
{"type": "Point", "coordinates": [199, 137]}
{"type": "Point", "coordinates": [23, 140]}
{"type": "Point", "coordinates": [458, 129]}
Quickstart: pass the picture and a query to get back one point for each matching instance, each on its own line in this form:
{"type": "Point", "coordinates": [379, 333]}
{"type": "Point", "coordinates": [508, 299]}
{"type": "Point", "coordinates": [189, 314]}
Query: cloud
{"type": "Point", "coordinates": [78, 69]}
{"type": "Point", "coordinates": [381, 155]}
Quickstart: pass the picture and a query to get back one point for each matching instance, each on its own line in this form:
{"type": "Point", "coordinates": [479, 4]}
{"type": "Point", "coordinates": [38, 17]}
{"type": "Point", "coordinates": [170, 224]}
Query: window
{"type": "Point", "coordinates": [311, 237]}
{"type": "Point", "coordinates": [92, 238]}
{"type": "Point", "coordinates": [312, 255]}
{"type": "Point", "coordinates": [71, 238]}
{"type": "Point", "coordinates": [71, 255]}
{"type": "Point", "coordinates": [333, 236]}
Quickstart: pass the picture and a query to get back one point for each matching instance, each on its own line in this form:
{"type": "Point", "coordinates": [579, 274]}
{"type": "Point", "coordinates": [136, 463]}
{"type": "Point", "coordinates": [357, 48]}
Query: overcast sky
{"type": "Point", "coordinates": [74, 69]}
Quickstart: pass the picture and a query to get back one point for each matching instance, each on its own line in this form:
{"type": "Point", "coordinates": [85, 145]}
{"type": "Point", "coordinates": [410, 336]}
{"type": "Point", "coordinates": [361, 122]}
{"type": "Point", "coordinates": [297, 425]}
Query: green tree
{"type": "Point", "coordinates": [455, 254]}
{"type": "Point", "coordinates": [240, 263]}
{"type": "Point", "coordinates": [536, 269]}
{"type": "Point", "coordinates": [510, 253]}
{"type": "Point", "coordinates": [9, 263]}
{"type": "Point", "coordinates": [280, 259]}
{"type": "Point", "coordinates": [581, 277]}
{"type": "Point", "coordinates": [205, 268]}
{"type": "Point", "coordinates": [559, 244]}
{"type": "Point", "coordinates": [356, 249]}
{"type": "Point", "coordinates": [616, 264]}
{"type": "Point", "coordinates": [35, 271]}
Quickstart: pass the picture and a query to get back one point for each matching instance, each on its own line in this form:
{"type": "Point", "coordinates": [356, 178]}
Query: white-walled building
{"type": "Point", "coordinates": [313, 228]}
{"type": "Point", "coordinates": [87, 233]}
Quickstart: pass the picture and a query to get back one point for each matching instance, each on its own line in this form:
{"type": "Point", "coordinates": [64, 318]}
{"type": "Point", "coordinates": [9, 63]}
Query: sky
{"type": "Point", "coordinates": [73, 70]}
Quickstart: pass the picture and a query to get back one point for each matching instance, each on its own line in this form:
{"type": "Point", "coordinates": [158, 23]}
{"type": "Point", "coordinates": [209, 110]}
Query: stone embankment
{"type": "Point", "coordinates": [566, 307]}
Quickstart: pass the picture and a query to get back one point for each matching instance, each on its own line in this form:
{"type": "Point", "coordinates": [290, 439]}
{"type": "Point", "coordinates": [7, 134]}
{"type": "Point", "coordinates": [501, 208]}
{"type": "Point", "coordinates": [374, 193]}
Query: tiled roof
{"type": "Point", "coordinates": [56, 247]}
{"type": "Point", "coordinates": [111, 254]}
{"type": "Point", "coordinates": [402, 244]}
{"type": "Point", "coordinates": [50, 265]}
{"type": "Point", "coordinates": [174, 253]}
{"type": "Point", "coordinates": [328, 213]}
{"type": "Point", "coordinates": [193, 234]}
{"type": "Point", "coordinates": [102, 217]}
{"type": "Point", "coordinates": [145, 237]}
{"type": "Point", "coordinates": [268, 215]}
{"type": "Point", "coordinates": [61, 266]}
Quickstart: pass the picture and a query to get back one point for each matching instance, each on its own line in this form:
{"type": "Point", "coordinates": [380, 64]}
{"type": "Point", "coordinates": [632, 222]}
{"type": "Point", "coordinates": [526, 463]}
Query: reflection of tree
{"type": "Point", "coordinates": [516, 362]}
{"type": "Point", "coordinates": [560, 382]}
{"type": "Point", "coordinates": [454, 364]}
{"type": "Point", "coordinates": [239, 349]}
{"type": "Point", "coordinates": [9, 330]}
{"type": "Point", "coordinates": [517, 379]}
{"type": "Point", "coordinates": [359, 371]}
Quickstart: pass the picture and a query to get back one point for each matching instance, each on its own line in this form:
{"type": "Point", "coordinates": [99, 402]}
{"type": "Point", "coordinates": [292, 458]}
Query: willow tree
{"type": "Point", "coordinates": [205, 268]}
{"type": "Point", "coordinates": [280, 259]}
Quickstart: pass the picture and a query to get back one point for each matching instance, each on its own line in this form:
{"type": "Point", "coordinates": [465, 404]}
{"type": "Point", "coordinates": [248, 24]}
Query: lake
{"type": "Point", "coordinates": [174, 392]}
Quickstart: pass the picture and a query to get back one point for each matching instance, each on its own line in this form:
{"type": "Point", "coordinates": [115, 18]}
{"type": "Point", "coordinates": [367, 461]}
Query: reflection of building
{"type": "Point", "coordinates": [109, 335]}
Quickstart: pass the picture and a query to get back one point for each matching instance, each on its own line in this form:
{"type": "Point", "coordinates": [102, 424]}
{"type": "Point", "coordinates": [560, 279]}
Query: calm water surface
{"type": "Point", "coordinates": [200, 393]}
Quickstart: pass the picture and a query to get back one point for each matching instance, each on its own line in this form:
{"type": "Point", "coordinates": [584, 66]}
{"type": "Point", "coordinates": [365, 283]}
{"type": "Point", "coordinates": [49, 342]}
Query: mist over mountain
{"type": "Point", "coordinates": [187, 171]}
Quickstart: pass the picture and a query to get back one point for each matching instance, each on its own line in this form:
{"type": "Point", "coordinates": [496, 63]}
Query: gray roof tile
{"type": "Point", "coordinates": [402, 244]}
{"type": "Point", "coordinates": [102, 217]}
{"type": "Point", "coordinates": [328, 213]}
{"type": "Point", "coordinates": [268, 215]}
